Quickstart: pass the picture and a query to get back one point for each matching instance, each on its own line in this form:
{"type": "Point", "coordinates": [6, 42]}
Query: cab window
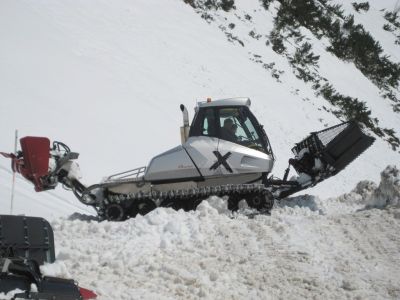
{"type": "Point", "coordinates": [204, 123]}
{"type": "Point", "coordinates": [208, 126]}
{"type": "Point", "coordinates": [237, 127]}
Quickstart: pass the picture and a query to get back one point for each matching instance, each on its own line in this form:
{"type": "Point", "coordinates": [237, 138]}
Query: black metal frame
{"type": "Point", "coordinates": [27, 237]}
{"type": "Point", "coordinates": [26, 243]}
{"type": "Point", "coordinates": [336, 147]}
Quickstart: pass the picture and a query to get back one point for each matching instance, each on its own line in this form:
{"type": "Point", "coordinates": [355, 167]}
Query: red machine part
{"type": "Point", "coordinates": [34, 162]}
{"type": "Point", "coordinates": [87, 294]}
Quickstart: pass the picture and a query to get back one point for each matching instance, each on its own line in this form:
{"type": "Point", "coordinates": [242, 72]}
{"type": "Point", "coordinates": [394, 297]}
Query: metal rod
{"type": "Point", "coordinates": [286, 173]}
{"type": "Point", "coordinates": [13, 179]}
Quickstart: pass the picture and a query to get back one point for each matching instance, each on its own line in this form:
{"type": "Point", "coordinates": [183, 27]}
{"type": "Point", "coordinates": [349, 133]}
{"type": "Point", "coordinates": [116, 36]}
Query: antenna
{"type": "Point", "coordinates": [13, 178]}
{"type": "Point", "coordinates": [397, 7]}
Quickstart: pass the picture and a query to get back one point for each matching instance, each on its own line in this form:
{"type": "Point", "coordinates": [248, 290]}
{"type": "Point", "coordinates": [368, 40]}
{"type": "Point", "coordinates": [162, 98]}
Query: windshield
{"type": "Point", "coordinates": [238, 126]}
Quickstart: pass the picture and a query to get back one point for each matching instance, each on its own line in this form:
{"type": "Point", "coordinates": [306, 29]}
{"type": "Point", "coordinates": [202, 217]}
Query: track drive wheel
{"type": "Point", "coordinates": [115, 212]}
{"type": "Point", "coordinates": [233, 202]}
{"type": "Point", "coordinates": [186, 204]}
{"type": "Point", "coordinates": [263, 202]}
{"type": "Point", "coordinates": [175, 204]}
{"type": "Point", "coordinates": [141, 207]}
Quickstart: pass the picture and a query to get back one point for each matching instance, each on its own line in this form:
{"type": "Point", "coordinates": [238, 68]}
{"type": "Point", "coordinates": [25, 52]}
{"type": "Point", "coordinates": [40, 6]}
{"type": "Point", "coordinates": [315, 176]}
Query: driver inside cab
{"type": "Point", "coordinates": [228, 131]}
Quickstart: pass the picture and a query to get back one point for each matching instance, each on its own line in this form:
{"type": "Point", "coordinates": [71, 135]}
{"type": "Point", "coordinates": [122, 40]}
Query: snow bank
{"type": "Point", "coordinates": [386, 194]}
{"type": "Point", "coordinates": [365, 195]}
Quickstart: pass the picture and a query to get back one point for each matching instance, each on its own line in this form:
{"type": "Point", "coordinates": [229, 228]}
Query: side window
{"type": "Point", "coordinates": [208, 126]}
{"type": "Point", "coordinates": [204, 123]}
{"type": "Point", "coordinates": [230, 126]}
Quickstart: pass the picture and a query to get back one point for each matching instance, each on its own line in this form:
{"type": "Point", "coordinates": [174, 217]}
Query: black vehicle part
{"type": "Point", "coordinates": [27, 237]}
{"type": "Point", "coordinates": [54, 288]}
{"type": "Point", "coordinates": [18, 273]}
{"type": "Point", "coordinates": [324, 154]}
{"type": "Point", "coordinates": [336, 146]}
{"type": "Point", "coordinates": [186, 199]}
{"type": "Point", "coordinates": [43, 296]}
{"type": "Point", "coordinates": [11, 282]}
{"type": "Point", "coordinates": [115, 212]}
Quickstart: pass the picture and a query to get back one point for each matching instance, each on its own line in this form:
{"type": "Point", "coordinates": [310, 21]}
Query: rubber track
{"type": "Point", "coordinates": [236, 191]}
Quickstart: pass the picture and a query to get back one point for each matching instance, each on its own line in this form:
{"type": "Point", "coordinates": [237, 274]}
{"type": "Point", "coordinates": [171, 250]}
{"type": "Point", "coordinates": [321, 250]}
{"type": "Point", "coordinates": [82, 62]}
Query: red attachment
{"type": "Point", "coordinates": [17, 165]}
{"type": "Point", "coordinates": [87, 294]}
{"type": "Point", "coordinates": [34, 162]}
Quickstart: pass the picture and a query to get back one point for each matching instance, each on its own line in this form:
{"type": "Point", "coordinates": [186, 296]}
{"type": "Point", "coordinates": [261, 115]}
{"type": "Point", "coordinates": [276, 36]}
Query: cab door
{"type": "Point", "coordinates": [242, 150]}
{"type": "Point", "coordinates": [203, 142]}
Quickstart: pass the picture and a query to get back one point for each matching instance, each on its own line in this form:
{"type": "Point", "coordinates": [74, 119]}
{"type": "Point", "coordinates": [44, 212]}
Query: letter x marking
{"type": "Point", "coordinates": [221, 160]}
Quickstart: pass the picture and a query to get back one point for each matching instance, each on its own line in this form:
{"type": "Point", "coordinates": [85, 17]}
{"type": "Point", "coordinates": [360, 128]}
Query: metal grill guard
{"type": "Point", "coordinates": [336, 147]}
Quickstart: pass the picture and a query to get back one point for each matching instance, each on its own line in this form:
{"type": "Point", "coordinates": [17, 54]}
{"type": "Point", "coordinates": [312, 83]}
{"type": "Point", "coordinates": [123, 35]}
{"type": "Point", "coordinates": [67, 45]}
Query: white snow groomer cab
{"type": "Point", "coordinates": [224, 152]}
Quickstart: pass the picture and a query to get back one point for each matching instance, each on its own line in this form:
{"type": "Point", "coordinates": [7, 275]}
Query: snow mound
{"type": "Point", "coordinates": [214, 205]}
{"type": "Point", "coordinates": [371, 195]}
{"type": "Point", "coordinates": [310, 202]}
{"type": "Point", "coordinates": [365, 195]}
{"type": "Point", "coordinates": [171, 254]}
{"type": "Point", "coordinates": [388, 191]}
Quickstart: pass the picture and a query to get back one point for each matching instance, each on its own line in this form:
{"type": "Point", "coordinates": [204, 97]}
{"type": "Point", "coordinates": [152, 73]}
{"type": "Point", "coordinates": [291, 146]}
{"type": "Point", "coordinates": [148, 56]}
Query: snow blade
{"type": "Point", "coordinates": [27, 237]}
{"type": "Point", "coordinates": [325, 153]}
